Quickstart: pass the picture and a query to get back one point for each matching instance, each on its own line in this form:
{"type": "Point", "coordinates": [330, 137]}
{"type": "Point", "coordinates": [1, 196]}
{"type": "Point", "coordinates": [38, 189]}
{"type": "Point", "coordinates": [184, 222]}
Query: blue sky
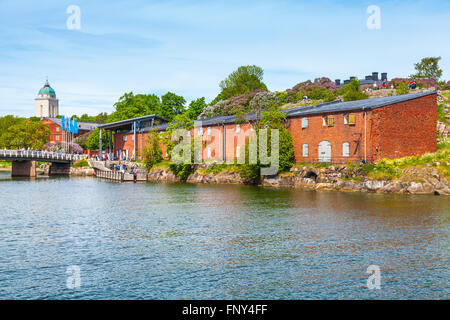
{"type": "Point", "coordinates": [188, 47]}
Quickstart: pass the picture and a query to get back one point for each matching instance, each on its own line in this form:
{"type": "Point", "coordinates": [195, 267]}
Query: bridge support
{"type": "Point", "coordinates": [59, 169]}
{"type": "Point", "coordinates": [23, 169]}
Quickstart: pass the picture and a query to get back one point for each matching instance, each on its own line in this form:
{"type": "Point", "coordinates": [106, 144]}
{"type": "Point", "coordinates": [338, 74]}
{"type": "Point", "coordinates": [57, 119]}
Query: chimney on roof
{"type": "Point", "coordinates": [384, 76]}
{"type": "Point", "coordinates": [346, 81]}
{"type": "Point", "coordinates": [338, 82]}
{"type": "Point", "coordinates": [375, 76]}
{"type": "Point", "coordinates": [351, 78]}
{"type": "Point", "coordinates": [368, 77]}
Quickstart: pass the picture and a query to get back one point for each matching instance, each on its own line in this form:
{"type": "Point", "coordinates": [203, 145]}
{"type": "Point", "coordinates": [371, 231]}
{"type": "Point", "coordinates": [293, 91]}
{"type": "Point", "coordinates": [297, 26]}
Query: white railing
{"type": "Point", "coordinates": [31, 154]}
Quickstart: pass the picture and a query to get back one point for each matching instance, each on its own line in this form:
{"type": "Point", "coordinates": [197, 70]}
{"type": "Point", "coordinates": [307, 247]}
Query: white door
{"type": "Point", "coordinates": [324, 151]}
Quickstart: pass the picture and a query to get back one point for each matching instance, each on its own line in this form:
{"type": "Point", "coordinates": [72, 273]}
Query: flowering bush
{"type": "Point", "coordinates": [421, 83]}
{"type": "Point", "coordinates": [61, 146]}
{"type": "Point", "coordinates": [322, 88]}
{"type": "Point", "coordinates": [263, 100]}
{"type": "Point", "coordinates": [231, 106]}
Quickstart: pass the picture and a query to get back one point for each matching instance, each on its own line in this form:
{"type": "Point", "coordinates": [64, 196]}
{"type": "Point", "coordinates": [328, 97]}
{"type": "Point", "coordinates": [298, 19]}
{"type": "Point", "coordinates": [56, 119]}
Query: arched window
{"type": "Point", "coordinates": [346, 149]}
{"type": "Point", "coordinates": [324, 151]}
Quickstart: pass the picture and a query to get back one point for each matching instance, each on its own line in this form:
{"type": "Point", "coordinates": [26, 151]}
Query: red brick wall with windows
{"type": "Point", "coordinates": [336, 135]}
{"type": "Point", "coordinates": [405, 129]}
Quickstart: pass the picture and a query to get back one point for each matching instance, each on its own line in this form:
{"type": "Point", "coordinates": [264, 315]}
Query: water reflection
{"type": "Point", "coordinates": [169, 241]}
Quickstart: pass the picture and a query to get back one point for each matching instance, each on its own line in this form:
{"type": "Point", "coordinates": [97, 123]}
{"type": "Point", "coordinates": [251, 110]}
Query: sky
{"type": "Point", "coordinates": [188, 47]}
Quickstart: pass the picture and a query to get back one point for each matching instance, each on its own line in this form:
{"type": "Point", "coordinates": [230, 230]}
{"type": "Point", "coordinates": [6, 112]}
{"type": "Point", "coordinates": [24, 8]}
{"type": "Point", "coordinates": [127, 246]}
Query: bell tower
{"type": "Point", "coordinates": [46, 104]}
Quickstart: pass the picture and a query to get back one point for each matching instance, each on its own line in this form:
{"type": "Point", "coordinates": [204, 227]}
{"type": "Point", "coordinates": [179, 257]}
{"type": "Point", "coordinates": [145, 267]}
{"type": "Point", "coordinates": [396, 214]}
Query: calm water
{"type": "Point", "coordinates": [182, 241]}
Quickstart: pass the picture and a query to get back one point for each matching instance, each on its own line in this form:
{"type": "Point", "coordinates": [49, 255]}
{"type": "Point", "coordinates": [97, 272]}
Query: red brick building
{"type": "Point", "coordinates": [334, 132]}
{"type": "Point", "coordinates": [57, 135]}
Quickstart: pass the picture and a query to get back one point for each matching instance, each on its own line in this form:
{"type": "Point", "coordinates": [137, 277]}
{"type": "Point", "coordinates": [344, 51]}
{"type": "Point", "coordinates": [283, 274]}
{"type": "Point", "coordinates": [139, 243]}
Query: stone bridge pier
{"type": "Point", "coordinates": [59, 169]}
{"type": "Point", "coordinates": [23, 168]}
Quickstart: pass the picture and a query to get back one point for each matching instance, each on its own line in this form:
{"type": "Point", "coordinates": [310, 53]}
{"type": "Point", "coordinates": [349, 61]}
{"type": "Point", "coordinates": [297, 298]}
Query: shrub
{"type": "Point", "coordinates": [402, 88]}
{"type": "Point", "coordinates": [81, 163]}
{"type": "Point", "coordinates": [152, 150]}
{"type": "Point", "coordinates": [63, 147]}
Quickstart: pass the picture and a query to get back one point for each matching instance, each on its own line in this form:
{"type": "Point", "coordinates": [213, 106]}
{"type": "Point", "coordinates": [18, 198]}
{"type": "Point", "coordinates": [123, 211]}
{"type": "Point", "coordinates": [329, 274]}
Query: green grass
{"type": "Point", "coordinates": [385, 169]}
{"type": "Point", "coordinates": [5, 164]}
{"type": "Point", "coordinates": [441, 114]}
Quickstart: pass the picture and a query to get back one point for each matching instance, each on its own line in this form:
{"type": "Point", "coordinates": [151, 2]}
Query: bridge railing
{"type": "Point", "coordinates": [31, 154]}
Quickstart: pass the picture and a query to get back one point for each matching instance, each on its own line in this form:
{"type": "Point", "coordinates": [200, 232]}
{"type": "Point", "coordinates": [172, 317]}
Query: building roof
{"type": "Point", "coordinates": [123, 124]}
{"type": "Point", "coordinates": [366, 104]}
{"type": "Point", "coordinates": [46, 89]}
{"type": "Point", "coordinates": [88, 126]}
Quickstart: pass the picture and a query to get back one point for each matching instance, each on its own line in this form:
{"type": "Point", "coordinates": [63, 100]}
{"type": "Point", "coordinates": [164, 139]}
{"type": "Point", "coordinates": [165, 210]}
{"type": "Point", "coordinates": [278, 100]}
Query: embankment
{"type": "Point", "coordinates": [426, 180]}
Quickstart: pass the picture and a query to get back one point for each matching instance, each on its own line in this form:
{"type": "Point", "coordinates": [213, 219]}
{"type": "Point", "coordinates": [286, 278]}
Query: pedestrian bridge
{"type": "Point", "coordinates": [24, 161]}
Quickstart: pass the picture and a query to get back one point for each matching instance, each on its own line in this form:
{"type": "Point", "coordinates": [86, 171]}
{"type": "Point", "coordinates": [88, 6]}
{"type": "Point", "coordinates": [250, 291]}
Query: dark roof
{"type": "Point", "coordinates": [129, 122]}
{"type": "Point", "coordinates": [89, 126]}
{"type": "Point", "coordinates": [366, 104]}
{"type": "Point", "coordinates": [328, 107]}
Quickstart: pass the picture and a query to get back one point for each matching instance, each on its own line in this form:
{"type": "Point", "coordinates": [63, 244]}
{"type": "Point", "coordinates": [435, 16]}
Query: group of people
{"type": "Point", "coordinates": [133, 169]}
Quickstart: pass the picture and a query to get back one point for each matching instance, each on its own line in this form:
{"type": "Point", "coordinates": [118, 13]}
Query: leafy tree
{"type": "Point", "coordinates": [8, 121]}
{"type": "Point", "coordinates": [172, 105]}
{"type": "Point", "coordinates": [25, 135]}
{"type": "Point", "coordinates": [245, 79]}
{"type": "Point", "coordinates": [133, 106]}
{"type": "Point", "coordinates": [428, 68]}
{"type": "Point", "coordinates": [152, 150]}
{"type": "Point", "coordinates": [273, 118]}
{"type": "Point", "coordinates": [351, 91]}
{"type": "Point", "coordinates": [93, 142]}
{"type": "Point", "coordinates": [195, 108]}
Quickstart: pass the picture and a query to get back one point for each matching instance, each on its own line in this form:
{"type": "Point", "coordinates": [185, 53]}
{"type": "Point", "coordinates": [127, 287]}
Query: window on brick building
{"type": "Point", "coordinates": [350, 119]}
{"type": "Point", "coordinates": [57, 129]}
{"type": "Point", "coordinates": [209, 152]}
{"type": "Point", "coordinates": [209, 131]}
{"type": "Point", "coordinates": [238, 152]}
{"type": "Point", "coordinates": [330, 121]}
{"type": "Point", "coordinates": [238, 128]}
{"type": "Point", "coordinates": [57, 138]}
{"type": "Point", "coordinates": [304, 123]}
{"type": "Point", "coordinates": [346, 149]}
{"type": "Point", "coordinates": [124, 138]}
{"type": "Point", "coordinates": [305, 150]}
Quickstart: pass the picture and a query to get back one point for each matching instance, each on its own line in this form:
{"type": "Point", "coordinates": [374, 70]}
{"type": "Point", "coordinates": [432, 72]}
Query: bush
{"type": "Point", "coordinates": [351, 91]}
{"type": "Point", "coordinates": [152, 150]}
{"type": "Point", "coordinates": [402, 88]}
{"type": "Point", "coordinates": [81, 163]}
{"type": "Point", "coordinates": [63, 147]}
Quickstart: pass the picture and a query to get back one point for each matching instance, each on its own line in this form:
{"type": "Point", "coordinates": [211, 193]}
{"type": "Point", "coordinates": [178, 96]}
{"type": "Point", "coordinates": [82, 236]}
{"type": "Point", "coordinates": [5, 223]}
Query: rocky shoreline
{"type": "Point", "coordinates": [416, 181]}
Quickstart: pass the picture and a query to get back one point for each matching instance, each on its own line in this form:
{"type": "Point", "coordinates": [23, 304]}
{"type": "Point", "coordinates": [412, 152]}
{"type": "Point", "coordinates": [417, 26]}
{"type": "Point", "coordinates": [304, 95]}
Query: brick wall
{"type": "Point", "coordinates": [404, 129]}
{"type": "Point", "coordinates": [336, 135]}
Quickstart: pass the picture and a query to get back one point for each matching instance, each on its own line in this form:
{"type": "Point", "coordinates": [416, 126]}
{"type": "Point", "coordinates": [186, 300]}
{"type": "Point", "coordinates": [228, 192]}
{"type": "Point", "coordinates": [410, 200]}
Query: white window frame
{"type": "Point", "coordinates": [238, 128]}
{"type": "Point", "coordinates": [209, 153]}
{"type": "Point", "coordinates": [346, 116]}
{"type": "Point", "coordinates": [238, 152]}
{"type": "Point", "coordinates": [305, 147]}
{"type": "Point", "coordinates": [125, 138]}
{"type": "Point", "coordinates": [305, 123]}
{"type": "Point", "coordinates": [208, 131]}
{"type": "Point", "coordinates": [346, 149]}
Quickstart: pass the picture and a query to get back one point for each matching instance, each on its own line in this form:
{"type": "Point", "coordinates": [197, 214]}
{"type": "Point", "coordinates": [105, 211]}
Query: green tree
{"type": "Point", "coordinates": [245, 79]}
{"type": "Point", "coordinates": [172, 105]}
{"type": "Point", "coordinates": [195, 108]}
{"type": "Point", "coordinates": [25, 135]}
{"type": "Point", "coordinates": [133, 106]}
{"type": "Point", "coordinates": [351, 91]}
{"type": "Point", "coordinates": [428, 68]}
{"type": "Point", "coordinates": [93, 142]}
{"type": "Point", "coordinates": [273, 118]}
{"type": "Point", "coordinates": [8, 121]}
{"type": "Point", "coordinates": [152, 150]}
